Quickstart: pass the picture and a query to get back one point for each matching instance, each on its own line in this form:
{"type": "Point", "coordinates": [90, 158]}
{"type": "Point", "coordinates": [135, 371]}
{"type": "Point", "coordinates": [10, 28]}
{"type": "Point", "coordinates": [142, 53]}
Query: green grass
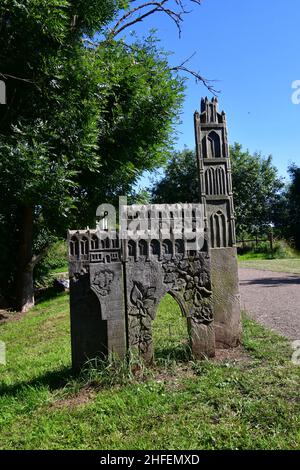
{"type": "Point", "coordinates": [277, 265]}
{"type": "Point", "coordinates": [252, 403]}
{"type": "Point", "coordinates": [252, 256]}
{"type": "Point", "coordinates": [170, 335]}
{"type": "Point", "coordinates": [61, 270]}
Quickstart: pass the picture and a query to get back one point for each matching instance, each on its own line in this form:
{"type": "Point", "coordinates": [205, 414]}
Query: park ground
{"type": "Point", "coordinates": [247, 398]}
{"type": "Point", "coordinates": [270, 293]}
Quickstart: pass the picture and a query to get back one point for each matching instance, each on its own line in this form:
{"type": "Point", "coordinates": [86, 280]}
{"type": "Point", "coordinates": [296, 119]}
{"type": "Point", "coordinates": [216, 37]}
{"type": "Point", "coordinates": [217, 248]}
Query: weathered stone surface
{"type": "Point", "coordinates": [217, 198]}
{"type": "Point", "coordinates": [188, 281]}
{"type": "Point", "coordinates": [96, 299]}
{"type": "Point", "coordinates": [226, 298]}
{"type": "Point", "coordinates": [116, 297]}
{"type": "Point", "coordinates": [116, 285]}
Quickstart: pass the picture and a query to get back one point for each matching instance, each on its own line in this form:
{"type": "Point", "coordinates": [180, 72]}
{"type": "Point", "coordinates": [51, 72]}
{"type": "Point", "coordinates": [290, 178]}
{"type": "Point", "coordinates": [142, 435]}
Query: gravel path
{"type": "Point", "coordinates": [273, 299]}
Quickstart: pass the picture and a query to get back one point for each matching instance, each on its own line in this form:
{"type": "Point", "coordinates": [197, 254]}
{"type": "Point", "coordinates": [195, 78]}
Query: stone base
{"type": "Point", "coordinates": [97, 315]}
{"type": "Point", "coordinates": [202, 339]}
{"type": "Point", "coordinates": [226, 299]}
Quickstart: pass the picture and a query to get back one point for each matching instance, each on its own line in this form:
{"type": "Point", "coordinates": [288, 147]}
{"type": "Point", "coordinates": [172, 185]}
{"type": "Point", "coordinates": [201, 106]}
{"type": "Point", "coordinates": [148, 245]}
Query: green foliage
{"type": "Point", "coordinates": [180, 180]}
{"type": "Point", "coordinates": [170, 333]}
{"type": "Point", "coordinates": [56, 260]}
{"type": "Point", "coordinates": [256, 187]}
{"type": "Point", "coordinates": [256, 190]}
{"type": "Point", "coordinates": [247, 402]}
{"type": "Point", "coordinates": [140, 101]}
{"type": "Point", "coordinates": [262, 250]}
{"type": "Point", "coordinates": [288, 265]}
{"type": "Point", "coordinates": [81, 123]}
{"type": "Point", "coordinates": [290, 222]}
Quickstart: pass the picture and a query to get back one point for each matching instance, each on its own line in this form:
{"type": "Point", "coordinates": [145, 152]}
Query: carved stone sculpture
{"type": "Point", "coordinates": [117, 282]}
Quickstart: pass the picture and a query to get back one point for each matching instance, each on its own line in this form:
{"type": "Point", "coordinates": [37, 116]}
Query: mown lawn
{"type": "Point", "coordinates": [277, 265]}
{"type": "Point", "coordinates": [249, 399]}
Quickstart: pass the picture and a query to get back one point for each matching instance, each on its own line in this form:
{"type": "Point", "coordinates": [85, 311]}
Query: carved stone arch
{"type": "Point", "coordinates": [143, 248]}
{"type": "Point", "coordinates": [179, 246]}
{"type": "Point", "coordinates": [218, 228]}
{"type": "Point", "coordinates": [213, 145]}
{"type": "Point", "coordinates": [84, 246]}
{"type": "Point", "coordinates": [210, 183]}
{"type": "Point", "coordinates": [217, 182]}
{"type": "Point", "coordinates": [179, 315]}
{"type": "Point", "coordinates": [94, 242]}
{"type": "Point", "coordinates": [176, 296]}
{"type": "Point", "coordinates": [93, 298]}
{"type": "Point", "coordinates": [154, 247]}
{"type": "Point", "coordinates": [167, 247]}
{"type": "Point", "coordinates": [179, 301]}
{"type": "Point", "coordinates": [74, 246]}
{"type": "Point", "coordinates": [94, 329]}
{"type": "Point", "coordinates": [132, 248]}
{"type": "Point", "coordinates": [221, 180]}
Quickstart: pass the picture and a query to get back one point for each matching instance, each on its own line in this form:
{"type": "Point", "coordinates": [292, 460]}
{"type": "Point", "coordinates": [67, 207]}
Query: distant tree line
{"type": "Point", "coordinates": [261, 198]}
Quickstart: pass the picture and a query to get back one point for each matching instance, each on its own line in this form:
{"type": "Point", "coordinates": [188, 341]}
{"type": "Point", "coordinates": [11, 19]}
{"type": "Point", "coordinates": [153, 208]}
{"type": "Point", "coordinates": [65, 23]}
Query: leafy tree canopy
{"type": "Point", "coordinates": [256, 186]}
{"type": "Point", "coordinates": [82, 121]}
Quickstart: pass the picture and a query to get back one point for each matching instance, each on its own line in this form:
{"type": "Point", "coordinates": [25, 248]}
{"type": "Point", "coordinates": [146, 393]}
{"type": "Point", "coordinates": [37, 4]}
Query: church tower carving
{"type": "Point", "coordinates": [215, 174]}
{"type": "Point", "coordinates": [215, 187]}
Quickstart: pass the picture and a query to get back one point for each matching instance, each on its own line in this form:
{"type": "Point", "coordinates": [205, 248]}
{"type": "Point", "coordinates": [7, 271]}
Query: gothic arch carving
{"type": "Point", "coordinates": [154, 247]}
{"type": "Point", "coordinates": [94, 242]}
{"type": "Point", "coordinates": [84, 246]}
{"type": "Point", "coordinates": [213, 145]}
{"type": "Point", "coordinates": [132, 248]}
{"type": "Point", "coordinates": [143, 248]}
{"type": "Point", "coordinates": [179, 301]}
{"type": "Point", "coordinates": [167, 247]}
{"type": "Point", "coordinates": [74, 247]}
{"type": "Point", "coordinates": [179, 246]}
{"type": "Point", "coordinates": [218, 228]}
{"type": "Point", "coordinates": [215, 181]}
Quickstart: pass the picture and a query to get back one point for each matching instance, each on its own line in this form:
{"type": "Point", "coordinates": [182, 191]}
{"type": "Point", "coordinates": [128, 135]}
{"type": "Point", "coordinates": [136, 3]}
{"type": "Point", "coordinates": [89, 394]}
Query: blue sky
{"type": "Point", "coordinates": [252, 48]}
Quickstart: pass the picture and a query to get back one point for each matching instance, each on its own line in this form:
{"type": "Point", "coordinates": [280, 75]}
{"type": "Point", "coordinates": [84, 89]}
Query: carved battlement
{"type": "Point", "coordinates": [118, 278]}
{"type": "Point", "coordinates": [152, 232]}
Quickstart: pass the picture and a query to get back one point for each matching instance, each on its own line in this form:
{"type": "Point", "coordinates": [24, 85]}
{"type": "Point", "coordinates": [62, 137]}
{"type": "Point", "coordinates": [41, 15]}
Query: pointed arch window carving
{"type": "Point", "coordinates": [84, 246]}
{"type": "Point", "coordinates": [213, 145]}
{"type": "Point", "coordinates": [132, 248]}
{"type": "Point", "coordinates": [154, 246]}
{"type": "Point", "coordinates": [143, 248]}
{"type": "Point", "coordinates": [218, 228]}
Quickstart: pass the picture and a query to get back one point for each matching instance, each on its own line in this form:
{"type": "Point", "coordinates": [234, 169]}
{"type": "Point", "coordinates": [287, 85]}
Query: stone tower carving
{"type": "Point", "coordinates": [117, 281]}
{"type": "Point", "coordinates": [215, 187]}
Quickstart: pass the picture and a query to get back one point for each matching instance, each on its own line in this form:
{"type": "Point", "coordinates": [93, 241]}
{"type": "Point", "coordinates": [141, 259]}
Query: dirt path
{"type": "Point", "coordinates": [273, 299]}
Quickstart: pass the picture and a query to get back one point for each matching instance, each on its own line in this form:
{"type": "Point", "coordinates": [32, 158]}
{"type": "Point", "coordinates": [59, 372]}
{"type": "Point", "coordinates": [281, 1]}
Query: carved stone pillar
{"type": "Point", "coordinates": [216, 196]}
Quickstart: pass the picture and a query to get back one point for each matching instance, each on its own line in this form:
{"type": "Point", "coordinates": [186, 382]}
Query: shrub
{"type": "Point", "coordinates": [55, 260]}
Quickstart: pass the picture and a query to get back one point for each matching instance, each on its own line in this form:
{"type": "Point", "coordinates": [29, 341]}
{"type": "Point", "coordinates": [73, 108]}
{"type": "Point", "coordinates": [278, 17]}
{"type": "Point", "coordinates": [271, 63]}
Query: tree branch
{"type": "Point", "coordinates": [6, 75]}
{"type": "Point", "coordinates": [198, 77]}
{"type": "Point", "coordinates": [140, 12]}
{"type": "Point", "coordinates": [36, 258]}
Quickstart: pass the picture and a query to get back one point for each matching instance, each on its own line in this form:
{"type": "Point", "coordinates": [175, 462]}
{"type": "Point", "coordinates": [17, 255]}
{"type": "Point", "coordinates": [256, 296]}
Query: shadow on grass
{"type": "Point", "coordinates": [179, 353]}
{"type": "Point", "coordinates": [48, 293]}
{"type": "Point", "coordinates": [52, 379]}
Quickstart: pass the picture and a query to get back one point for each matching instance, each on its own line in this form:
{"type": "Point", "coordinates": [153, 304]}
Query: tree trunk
{"type": "Point", "coordinates": [24, 288]}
